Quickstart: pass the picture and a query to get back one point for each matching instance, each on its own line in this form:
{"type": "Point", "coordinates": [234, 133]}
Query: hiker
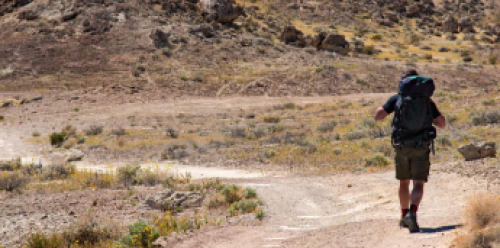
{"type": "Point", "coordinates": [412, 138]}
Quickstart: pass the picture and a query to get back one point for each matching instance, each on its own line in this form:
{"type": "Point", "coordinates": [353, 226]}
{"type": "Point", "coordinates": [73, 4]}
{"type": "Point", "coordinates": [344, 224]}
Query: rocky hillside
{"type": "Point", "coordinates": [245, 47]}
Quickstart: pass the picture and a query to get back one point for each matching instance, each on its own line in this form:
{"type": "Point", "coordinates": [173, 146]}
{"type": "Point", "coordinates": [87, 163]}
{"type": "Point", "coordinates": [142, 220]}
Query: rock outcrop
{"type": "Point", "coordinates": [223, 11]}
{"type": "Point", "coordinates": [478, 150]}
{"type": "Point", "coordinates": [293, 36]}
{"type": "Point", "coordinates": [331, 42]}
{"type": "Point", "coordinates": [173, 201]}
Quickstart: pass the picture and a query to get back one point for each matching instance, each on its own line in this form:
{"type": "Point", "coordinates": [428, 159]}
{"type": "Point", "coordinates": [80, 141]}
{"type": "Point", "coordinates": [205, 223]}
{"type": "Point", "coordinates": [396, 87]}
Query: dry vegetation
{"type": "Point", "coordinates": [482, 223]}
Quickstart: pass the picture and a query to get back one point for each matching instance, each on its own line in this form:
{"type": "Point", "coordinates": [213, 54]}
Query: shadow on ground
{"type": "Point", "coordinates": [439, 229]}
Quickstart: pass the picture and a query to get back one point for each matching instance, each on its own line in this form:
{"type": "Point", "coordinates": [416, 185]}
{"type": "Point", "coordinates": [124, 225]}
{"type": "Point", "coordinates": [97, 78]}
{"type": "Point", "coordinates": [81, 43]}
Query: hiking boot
{"type": "Point", "coordinates": [402, 224]}
{"type": "Point", "coordinates": [410, 220]}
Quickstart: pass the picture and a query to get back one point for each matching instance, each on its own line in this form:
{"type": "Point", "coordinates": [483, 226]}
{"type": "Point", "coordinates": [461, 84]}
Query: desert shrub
{"type": "Point", "coordinates": [57, 171]}
{"type": "Point", "coordinates": [288, 105]}
{"type": "Point", "coordinates": [327, 126]}
{"type": "Point", "coordinates": [174, 151]}
{"type": "Point", "coordinates": [243, 206]}
{"type": "Point", "coordinates": [94, 130]}
{"type": "Point", "coordinates": [443, 140]}
{"type": "Point", "coordinates": [377, 160]}
{"type": "Point", "coordinates": [35, 134]}
{"type": "Point", "coordinates": [486, 117]}
{"type": "Point", "coordinates": [10, 181]}
{"type": "Point", "coordinates": [386, 149]}
{"type": "Point", "coordinates": [127, 175]}
{"type": "Point", "coordinates": [118, 132]}
{"type": "Point", "coordinates": [337, 151]}
{"type": "Point", "coordinates": [272, 119]}
{"type": "Point", "coordinates": [95, 180]}
{"type": "Point", "coordinates": [10, 165]}
{"type": "Point", "coordinates": [482, 211]}
{"type": "Point", "coordinates": [172, 133]}
{"type": "Point", "coordinates": [140, 235]}
{"type": "Point", "coordinates": [376, 37]}
{"type": "Point", "coordinates": [231, 193]}
{"type": "Point", "coordinates": [380, 132]}
{"type": "Point", "coordinates": [57, 139]}
{"type": "Point", "coordinates": [259, 132]}
{"type": "Point", "coordinates": [488, 102]}
{"type": "Point", "coordinates": [249, 193]}
{"type": "Point", "coordinates": [370, 50]}
{"type": "Point", "coordinates": [168, 224]}
{"type": "Point", "coordinates": [40, 240]}
{"type": "Point", "coordinates": [239, 132]}
{"type": "Point", "coordinates": [492, 59]}
{"type": "Point", "coordinates": [355, 135]}
{"type": "Point", "coordinates": [482, 222]}
{"type": "Point", "coordinates": [259, 214]}
{"type": "Point", "coordinates": [148, 178]}
{"type": "Point", "coordinates": [2, 118]}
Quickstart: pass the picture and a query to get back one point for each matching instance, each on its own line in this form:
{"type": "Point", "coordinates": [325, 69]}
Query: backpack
{"type": "Point", "coordinates": [412, 124]}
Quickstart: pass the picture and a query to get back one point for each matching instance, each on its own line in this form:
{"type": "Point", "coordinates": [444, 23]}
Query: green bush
{"type": "Point", "coordinates": [140, 235]}
{"type": "Point", "coordinates": [243, 206]}
{"type": "Point", "coordinates": [147, 177]}
{"type": "Point", "coordinates": [127, 175]}
{"type": "Point", "coordinates": [39, 240]}
{"type": "Point", "coordinates": [57, 139]}
{"type": "Point", "coordinates": [249, 193]}
{"type": "Point", "coordinates": [231, 193]}
{"type": "Point", "coordinates": [377, 160]}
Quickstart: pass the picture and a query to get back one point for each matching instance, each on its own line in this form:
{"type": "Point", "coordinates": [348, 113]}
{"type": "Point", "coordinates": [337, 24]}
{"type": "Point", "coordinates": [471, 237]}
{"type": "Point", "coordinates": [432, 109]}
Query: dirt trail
{"type": "Point", "coordinates": [345, 211]}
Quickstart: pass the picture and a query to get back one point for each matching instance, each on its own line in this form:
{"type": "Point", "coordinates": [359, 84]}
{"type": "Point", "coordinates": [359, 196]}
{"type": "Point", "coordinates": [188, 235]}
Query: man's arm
{"type": "Point", "coordinates": [440, 121]}
{"type": "Point", "coordinates": [380, 114]}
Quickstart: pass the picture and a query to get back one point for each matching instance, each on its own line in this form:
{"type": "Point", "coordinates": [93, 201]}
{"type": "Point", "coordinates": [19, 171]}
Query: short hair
{"type": "Point", "coordinates": [407, 73]}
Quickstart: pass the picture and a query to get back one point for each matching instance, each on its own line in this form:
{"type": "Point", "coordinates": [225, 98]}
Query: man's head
{"type": "Point", "coordinates": [407, 73]}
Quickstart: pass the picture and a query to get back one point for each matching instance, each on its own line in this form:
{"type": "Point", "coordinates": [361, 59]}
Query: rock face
{"type": "Point", "coordinates": [293, 36]}
{"type": "Point", "coordinates": [223, 11]}
{"type": "Point", "coordinates": [478, 151]}
{"type": "Point", "coordinates": [172, 201]}
{"type": "Point", "coordinates": [450, 25]}
{"type": "Point", "coordinates": [331, 42]}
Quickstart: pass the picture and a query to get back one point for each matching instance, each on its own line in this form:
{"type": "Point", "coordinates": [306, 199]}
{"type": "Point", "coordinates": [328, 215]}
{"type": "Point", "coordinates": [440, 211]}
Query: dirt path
{"type": "Point", "coordinates": [345, 211]}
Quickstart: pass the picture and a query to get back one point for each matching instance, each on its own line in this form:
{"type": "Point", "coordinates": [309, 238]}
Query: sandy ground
{"type": "Point", "coordinates": [342, 210]}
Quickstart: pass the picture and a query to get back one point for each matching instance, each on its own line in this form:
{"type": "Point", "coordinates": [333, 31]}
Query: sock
{"type": "Point", "coordinates": [404, 211]}
{"type": "Point", "coordinates": [413, 208]}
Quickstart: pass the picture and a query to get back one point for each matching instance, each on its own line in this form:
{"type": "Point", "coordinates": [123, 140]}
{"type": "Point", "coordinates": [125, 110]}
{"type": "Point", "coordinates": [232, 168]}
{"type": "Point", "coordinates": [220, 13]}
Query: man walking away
{"type": "Point", "coordinates": [413, 134]}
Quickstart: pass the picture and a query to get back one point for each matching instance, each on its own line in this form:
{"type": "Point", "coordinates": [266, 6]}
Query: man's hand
{"type": "Point", "coordinates": [440, 121]}
{"type": "Point", "coordinates": [380, 114]}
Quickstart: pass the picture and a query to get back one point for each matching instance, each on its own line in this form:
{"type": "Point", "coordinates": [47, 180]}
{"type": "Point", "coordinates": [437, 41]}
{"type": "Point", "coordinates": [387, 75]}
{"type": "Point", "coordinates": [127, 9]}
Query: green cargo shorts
{"type": "Point", "coordinates": [412, 163]}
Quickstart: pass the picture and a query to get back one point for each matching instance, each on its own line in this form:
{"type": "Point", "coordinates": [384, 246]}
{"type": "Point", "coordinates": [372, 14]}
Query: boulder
{"type": "Point", "coordinates": [478, 150]}
{"type": "Point", "coordinates": [334, 43]}
{"type": "Point", "coordinates": [74, 155]}
{"type": "Point", "coordinates": [465, 25]}
{"type": "Point", "coordinates": [450, 25]}
{"type": "Point", "coordinates": [171, 201]}
{"type": "Point", "coordinates": [293, 36]}
{"type": "Point", "coordinates": [223, 11]}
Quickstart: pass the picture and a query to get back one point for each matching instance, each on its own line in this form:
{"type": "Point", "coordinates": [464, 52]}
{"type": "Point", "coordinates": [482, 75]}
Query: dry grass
{"type": "Point", "coordinates": [482, 223]}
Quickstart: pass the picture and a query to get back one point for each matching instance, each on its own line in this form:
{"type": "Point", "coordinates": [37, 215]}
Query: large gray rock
{"type": "Point", "coordinates": [478, 150]}
{"type": "Point", "coordinates": [171, 201]}
{"type": "Point", "coordinates": [223, 11]}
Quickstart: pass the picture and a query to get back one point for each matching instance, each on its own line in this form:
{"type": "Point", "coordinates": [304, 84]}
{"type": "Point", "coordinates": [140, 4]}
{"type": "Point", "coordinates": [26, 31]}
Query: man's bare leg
{"type": "Point", "coordinates": [417, 193]}
{"type": "Point", "coordinates": [404, 194]}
